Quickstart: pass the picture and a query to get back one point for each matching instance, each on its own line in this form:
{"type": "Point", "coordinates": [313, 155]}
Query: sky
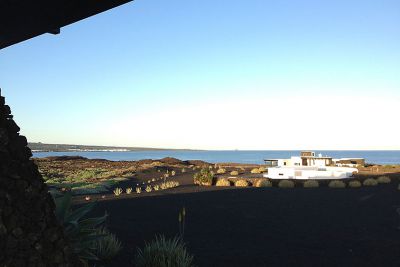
{"type": "Point", "coordinates": [208, 74]}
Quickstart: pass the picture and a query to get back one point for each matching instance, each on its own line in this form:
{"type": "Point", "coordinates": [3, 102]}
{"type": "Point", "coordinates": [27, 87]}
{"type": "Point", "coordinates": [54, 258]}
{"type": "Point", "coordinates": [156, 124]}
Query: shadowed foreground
{"type": "Point", "coordinates": [268, 226]}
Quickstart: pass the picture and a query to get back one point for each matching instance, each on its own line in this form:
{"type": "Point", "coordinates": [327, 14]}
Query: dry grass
{"type": "Point", "coordinates": [311, 184]}
{"type": "Point", "coordinates": [370, 182]}
{"type": "Point", "coordinates": [255, 170]}
{"type": "Point", "coordinates": [241, 183]}
{"type": "Point", "coordinates": [234, 173]}
{"type": "Point", "coordinates": [355, 184]}
{"type": "Point", "coordinates": [337, 184]}
{"type": "Point", "coordinates": [286, 184]}
{"type": "Point", "coordinates": [263, 183]}
{"type": "Point", "coordinates": [223, 182]}
{"type": "Point", "coordinates": [221, 171]}
{"type": "Point", "coordinates": [262, 169]}
{"type": "Point", "coordinates": [383, 180]}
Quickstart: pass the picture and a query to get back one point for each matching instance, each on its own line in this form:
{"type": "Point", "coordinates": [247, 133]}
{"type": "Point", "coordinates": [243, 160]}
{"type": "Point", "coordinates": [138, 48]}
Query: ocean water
{"type": "Point", "coordinates": [237, 156]}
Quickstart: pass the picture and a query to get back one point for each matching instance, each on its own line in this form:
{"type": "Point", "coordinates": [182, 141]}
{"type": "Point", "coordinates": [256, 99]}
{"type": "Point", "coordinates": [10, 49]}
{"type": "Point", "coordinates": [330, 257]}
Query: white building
{"type": "Point", "coordinates": [308, 166]}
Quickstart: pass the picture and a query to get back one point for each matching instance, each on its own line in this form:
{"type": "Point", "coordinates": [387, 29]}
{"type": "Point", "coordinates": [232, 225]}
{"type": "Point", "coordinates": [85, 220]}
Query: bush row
{"type": "Point", "coordinates": [306, 184]}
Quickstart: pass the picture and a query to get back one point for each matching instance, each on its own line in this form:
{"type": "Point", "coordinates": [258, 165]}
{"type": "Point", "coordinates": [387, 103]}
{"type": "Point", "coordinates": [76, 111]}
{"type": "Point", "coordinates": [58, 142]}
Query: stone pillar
{"type": "Point", "coordinates": [30, 234]}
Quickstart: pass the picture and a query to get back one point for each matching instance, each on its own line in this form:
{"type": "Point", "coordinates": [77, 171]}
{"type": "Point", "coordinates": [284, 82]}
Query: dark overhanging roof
{"type": "Point", "coordinates": [23, 19]}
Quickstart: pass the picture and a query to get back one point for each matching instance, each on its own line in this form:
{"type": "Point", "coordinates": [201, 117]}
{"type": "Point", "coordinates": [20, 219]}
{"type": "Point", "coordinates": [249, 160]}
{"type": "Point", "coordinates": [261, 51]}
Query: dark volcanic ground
{"type": "Point", "coordinates": [266, 226]}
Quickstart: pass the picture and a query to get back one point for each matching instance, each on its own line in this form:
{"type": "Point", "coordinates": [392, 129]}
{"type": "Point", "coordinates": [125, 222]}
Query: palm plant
{"type": "Point", "coordinates": [81, 232]}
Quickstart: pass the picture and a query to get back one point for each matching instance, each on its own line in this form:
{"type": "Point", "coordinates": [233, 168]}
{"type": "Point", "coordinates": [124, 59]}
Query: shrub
{"type": "Point", "coordinates": [204, 177]}
{"type": "Point", "coordinates": [117, 191]}
{"type": "Point", "coordinates": [153, 180]}
{"type": "Point", "coordinates": [223, 182]}
{"type": "Point", "coordinates": [241, 183]}
{"type": "Point", "coordinates": [172, 184]}
{"type": "Point", "coordinates": [173, 173]}
{"type": "Point", "coordinates": [262, 169]}
{"type": "Point", "coordinates": [183, 170]}
{"type": "Point", "coordinates": [234, 173]}
{"type": "Point", "coordinates": [263, 183]}
{"type": "Point", "coordinates": [163, 252]}
{"type": "Point", "coordinates": [255, 170]}
{"type": "Point", "coordinates": [354, 184]}
{"type": "Point", "coordinates": [370, 182]}
{"type": "Point", "coordinates": [286, 184]}
{"type": "Point", "coordinates": [221, 171]}
{"type": "Point", "coordinates": [383, 180]}
{"type": "Point", "coordinates": [138, 190]}
{"type": "Point", "coordinates": [156, 187]}
{"type": "Point", "coordinates": [128, 190]}
{"type": "Point", "coordinates": [311, 184]}
{"type": "Point", "coordinates": [148, 189]}
{"type": "Point", "coordinates": [169, 184]}
{"type": "Point", "coordinates": [337, 184]}
{"type": "Point", "coordinates": [80, 231]}
{"type": "Point", "coordinates": [106, 247]}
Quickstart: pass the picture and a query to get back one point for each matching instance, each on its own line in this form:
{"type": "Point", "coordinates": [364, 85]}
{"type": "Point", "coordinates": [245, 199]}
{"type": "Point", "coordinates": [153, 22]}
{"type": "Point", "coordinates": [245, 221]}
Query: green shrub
{"type": "Point", "coordinates": [337, 184]}
{"type": "Point", "coordinates": [255, 170]}
{"type": "Point", "coordinates": [263, 183]}
{"type": "Point", "coordinates": [354, 184]}
{"type": "Point", "coordinates": [80, 231]}
{"type": "Point", "coordinates": [221, 171]}
{"type": "Point", "coordinates": [234, 173]}
{"type": "Point", "coordinates": [370, 182]}
{"type": "Point", "coordinates": [204, 177]}
{"type": "Point", "coordinates": [286, 184]}
{"type": "Point", "coordinates": [163, 252]}
{"type": "Point", "coordinates": [311, 184]}
{"type": "Point", "coordinates": [383, 180]}
{"type": "Point", "coordinates": [223, 182]}
{"type": "Point", "coordinates": [241, 183]}
{"type": "Point", "coordinates": [108, 246]}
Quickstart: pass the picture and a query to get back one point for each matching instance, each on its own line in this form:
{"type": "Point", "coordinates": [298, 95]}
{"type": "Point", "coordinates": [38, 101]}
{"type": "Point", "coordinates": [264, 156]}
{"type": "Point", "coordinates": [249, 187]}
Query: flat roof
{"type": "Point", "coordinates": [23, 19]}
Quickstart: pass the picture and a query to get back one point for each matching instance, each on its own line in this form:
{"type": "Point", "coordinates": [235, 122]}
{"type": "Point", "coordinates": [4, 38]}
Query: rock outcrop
{"type": "Point", "coordinates": [30, 234]}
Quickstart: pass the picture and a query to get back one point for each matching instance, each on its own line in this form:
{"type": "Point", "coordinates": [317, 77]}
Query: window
{"type": "Point", "coordinates": [281, 174]}
{"type": "Point", "coordinates": [284, 163]}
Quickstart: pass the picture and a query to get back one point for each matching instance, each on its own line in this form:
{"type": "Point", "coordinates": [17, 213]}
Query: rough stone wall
{"type": "Point", "coordinates": [29, 232]}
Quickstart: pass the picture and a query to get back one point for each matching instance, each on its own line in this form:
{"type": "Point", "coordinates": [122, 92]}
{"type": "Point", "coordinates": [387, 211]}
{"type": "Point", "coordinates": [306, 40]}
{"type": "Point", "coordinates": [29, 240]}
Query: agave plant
{"type": "Point", "coordinates": [129, 190]}
{"type": "Point", "coordinates": [163, 252]}
{"type": "Point", "coordinates": [108, 246]}
{"type": "Point", "coordinates": [81, 232]}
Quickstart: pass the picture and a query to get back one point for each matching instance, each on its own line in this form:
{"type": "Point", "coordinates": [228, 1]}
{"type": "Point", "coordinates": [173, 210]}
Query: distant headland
{"type": "Point", "coordinates": [42, 147]}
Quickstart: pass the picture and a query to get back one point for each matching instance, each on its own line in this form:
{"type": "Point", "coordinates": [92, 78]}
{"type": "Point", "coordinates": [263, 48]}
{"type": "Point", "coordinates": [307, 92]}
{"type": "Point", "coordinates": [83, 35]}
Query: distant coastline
{"type": "Point", "coordinates": [43, 147]}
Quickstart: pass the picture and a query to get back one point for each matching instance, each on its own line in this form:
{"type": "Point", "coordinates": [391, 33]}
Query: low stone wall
{"type": "Point", "coordinates": [30, 234]}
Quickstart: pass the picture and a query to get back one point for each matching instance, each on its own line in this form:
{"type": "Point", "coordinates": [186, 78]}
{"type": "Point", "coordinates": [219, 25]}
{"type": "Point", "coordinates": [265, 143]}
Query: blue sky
{"type": "Point", "coordinates": [201, 74]}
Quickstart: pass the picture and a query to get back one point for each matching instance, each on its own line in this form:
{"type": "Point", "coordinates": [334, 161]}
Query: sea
{"type": "Point", "coordinates": [383, 157]}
